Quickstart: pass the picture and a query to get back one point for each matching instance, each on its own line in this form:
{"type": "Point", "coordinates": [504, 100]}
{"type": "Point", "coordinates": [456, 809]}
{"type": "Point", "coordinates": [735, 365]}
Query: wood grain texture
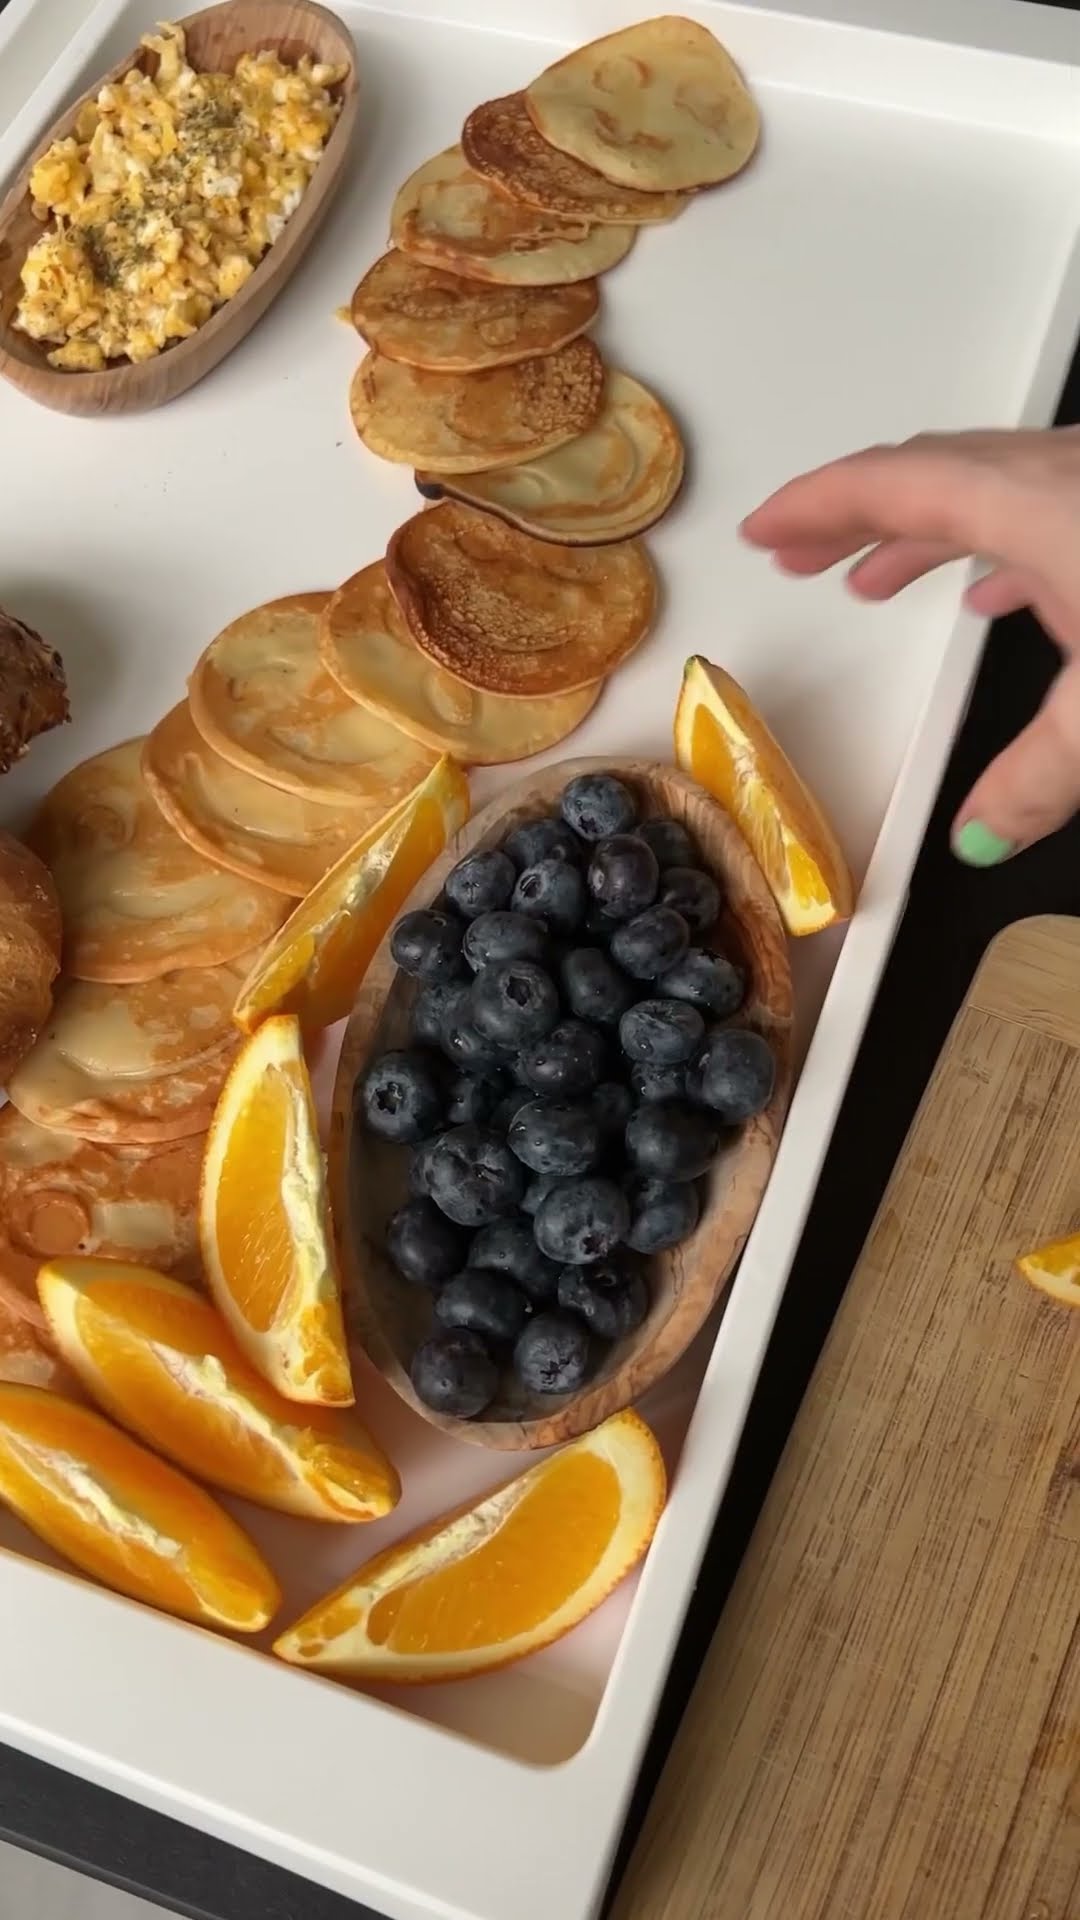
{"type": "Point", "coordinates": [368, 1178]}
{"type": "Point", "coordinates": [887, 1726]}
{"type": "Point", "coordinates": [215, 40]}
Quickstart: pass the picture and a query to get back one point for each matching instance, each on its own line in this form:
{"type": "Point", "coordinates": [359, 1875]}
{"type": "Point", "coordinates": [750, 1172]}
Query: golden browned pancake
{"type": "Point", "coordinates": [513, 615]}
{"type": "Point", "coordinates": [136, 900]}
{"type": "Point", "coordinates": [610, 483]}
{"type": "Point", "coordinates": [370, 651]}
{"type": "Point", "coordinates": [27, 1354]}
{"type": "Point", "coordinates": [430, 318]}
{"type": "Point", "coordinates": [245, 824]}
{"type": "Point", "coordinates": [465, 422]}
{"type": "Point", "coordinates": [137, 1064]}
{"type": "Point", "coordinates": [660, 106]}
{"type": "Point", "coordinates": [261, 697]}
{"type": "Point", "coordinates": [61, 1195]}
{"type": "Point", "coordinates": [500, 142]}
{"type": "Point", "coordinates": [448, 216]}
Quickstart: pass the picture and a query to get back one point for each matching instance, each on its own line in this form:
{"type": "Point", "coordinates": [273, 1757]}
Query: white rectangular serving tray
{"type": "Point", "coordinates": [903, 254]}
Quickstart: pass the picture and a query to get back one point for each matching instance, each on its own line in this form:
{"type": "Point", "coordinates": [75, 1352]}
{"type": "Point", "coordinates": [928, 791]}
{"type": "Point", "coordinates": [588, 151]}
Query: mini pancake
{"type": "Point", "coordinates": [430, 318]}
{"type": "Point", "coordinates": [513, 615]}
{"type": "Point", "coordinates": [369, 650]}
{"type": "Point", "coordinates": [136, 900]}
{"type": "Point", "coordinates": [61, 1195]}
{"type": "Point", "coordinates": [660, 106]}
{"type": "Point", "coordinates": [466, 422]}
{"type": "Point", "coordinates": [243, 824]}
{"type": "Point", "coordinates": [450, 217]}
{"type": "Point", "coordinates": [261, 698]}
{"type": "Point", "coordinates": [612, 482]}
{"type": "Point", "coordinates": [500, 142]}
{"type": "Point", "coordinates": [138, 1064]}
{"type": "Point", "coordinates": [27, 1355]}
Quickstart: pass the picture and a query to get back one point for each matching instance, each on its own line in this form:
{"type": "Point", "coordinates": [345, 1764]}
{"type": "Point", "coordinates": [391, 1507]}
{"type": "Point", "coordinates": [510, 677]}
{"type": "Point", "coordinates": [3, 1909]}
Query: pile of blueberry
{"type": "Point", "coordinates": [566, 1086]}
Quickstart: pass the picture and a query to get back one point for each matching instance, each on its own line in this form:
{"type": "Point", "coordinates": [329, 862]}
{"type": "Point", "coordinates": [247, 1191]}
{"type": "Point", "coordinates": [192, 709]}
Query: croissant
{"type": "Point", "coordinates": [30, 934]}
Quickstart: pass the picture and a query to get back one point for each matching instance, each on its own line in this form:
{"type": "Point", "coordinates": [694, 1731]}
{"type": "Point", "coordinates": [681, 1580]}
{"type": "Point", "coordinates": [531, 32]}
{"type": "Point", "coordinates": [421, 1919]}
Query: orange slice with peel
{"type": "Point", "coordinates": [499, 1579]}
{"type": "Point", "coordinates": [316, 961]}
{"type": "Point", "coordinates": [1055, 1269]}
{"type": "Point", "coordinates": [264, 1222]}
{"type": "Point", "coordinates": [124, 1516]}
{"type": "Point", "coordinates": [724, 744]}
{"type": "Point", "coordinates": [160, 1360]}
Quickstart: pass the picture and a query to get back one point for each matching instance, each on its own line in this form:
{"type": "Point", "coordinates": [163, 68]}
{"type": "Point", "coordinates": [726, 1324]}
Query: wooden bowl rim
{"type": "Point", "coordinates": [18, 350]}
{"type": "Point", "coordinates": [579, 1412]}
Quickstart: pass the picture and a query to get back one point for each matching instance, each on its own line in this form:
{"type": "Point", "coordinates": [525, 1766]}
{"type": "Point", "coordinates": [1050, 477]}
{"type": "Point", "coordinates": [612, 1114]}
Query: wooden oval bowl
{"type": "Point", "coordinates": [215, 40]}
{"type": "Point", "coordinates": [369, 1178]}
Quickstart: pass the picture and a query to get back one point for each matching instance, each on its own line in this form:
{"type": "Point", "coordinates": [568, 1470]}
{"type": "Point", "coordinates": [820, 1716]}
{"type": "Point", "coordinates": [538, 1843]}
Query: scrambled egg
{"type": "Point", "coordinates": [166, 197]}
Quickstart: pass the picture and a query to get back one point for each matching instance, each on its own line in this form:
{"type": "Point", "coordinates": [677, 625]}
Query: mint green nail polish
{"type": "Point", "coordinates": [978, 846]}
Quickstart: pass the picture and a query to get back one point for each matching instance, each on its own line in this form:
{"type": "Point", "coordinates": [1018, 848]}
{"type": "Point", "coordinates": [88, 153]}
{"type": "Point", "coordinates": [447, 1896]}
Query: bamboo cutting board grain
{"type": "Point", "coordinates": [887, 1726]}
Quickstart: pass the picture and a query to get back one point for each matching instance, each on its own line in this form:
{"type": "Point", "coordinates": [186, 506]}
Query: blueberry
{"type": "Point", "coordinates": [434, 1006]}
{"type": "Point", "coordinates": [428, 489]}
{"type": "Point", "coordinates": [611, 1103]}
{"type": "Point", "coordinates": [556, 1138]}
{"type": "Point", "coordinates": [623, 876]}
{"type": "Point", "coordinates": [424, 1245]}
{"type": "Point", "coordinates": [494, 938]}
{"type": "Point", "coordinates": [427, 944]}
{"type": "Point", "coordinates": [553, 1354]}
{"type": "Point", "coordinates": [554, 890]}
{"type": "Point", "coordinates": [401, 1097]}
{"type": "Point", "coordinates": [706, 980]}
{"type": "Point", "coordinates": [455, 1373]}
{"type": "Point", "coordinates": [420, 1166]}
{"type": "Point", "coordinates": [662, 1212]}
{"type": "Point", "coordinates": [648, 945]}
{"type": "Point", "coordinates": [579, 1221]}
{"type": "Point", "coordinates": [510, 1104]}
{"type": "Point", "coordinates": [481, 883]}
{"type": "Point", "coordinates": [652, 1083]}
{"type": "Point", "coordinates": [537, 1192]}
{"type": "Point", "coordinates": [481, 1302]}
{"type": "Point", "coordinates": [593, 987]}
{"type": "Point", "coordinates": [468, 1048]}
{"type": "Point", "coordinates": [693, 894]}
{"type": "Point", "coordinates": [567, 1061]}
{"type": "Point", "coordinates": [544, 839]}
{"type": "Point", "coordinates": [671, 1141]}
{"type": "Point", "coordinates": [597, 925]}
{"type": "Point", "coordinates": [662, 1033]}
{"type": "Point", "coordinates": [509, 1247]}
{"type": "Point", "coordinates": [611, 1297]}
{"type": "Point", "coordinates": [669, 841]}
{"type": "Point", "coordinates": [475, 1177]}
{"type": "Point", "coordinates": [738, 1074]}
{"type": "Point", "coordinates": [474, 1096]}
{"type": "Point", "coordinates": [514, 1003]}
{"type": "Point", "coordinates": [596, 804]}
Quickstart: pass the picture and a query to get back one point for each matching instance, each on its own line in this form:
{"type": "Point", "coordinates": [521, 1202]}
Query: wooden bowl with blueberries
{"type": "Point", "coordinates": [558, 1102]}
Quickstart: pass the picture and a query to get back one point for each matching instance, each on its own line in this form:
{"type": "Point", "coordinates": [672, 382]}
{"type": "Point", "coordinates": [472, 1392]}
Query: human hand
{"type": "Point", "coordinates": [1012, 499]}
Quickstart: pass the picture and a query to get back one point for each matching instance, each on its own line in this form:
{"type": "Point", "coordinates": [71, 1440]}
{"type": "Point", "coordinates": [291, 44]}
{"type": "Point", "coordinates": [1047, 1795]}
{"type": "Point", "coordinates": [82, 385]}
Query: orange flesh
{"type": "Point", "coordinates": [251, 1226]}
{"type": "Point", "coordinates": [1061, 1258]}
{"type": "Point", "coordinates": [787, 864]}
{"type": "Point", "coordinates": [543, 1552]}
{"type": "Point", "coordinates": [200, 1564]}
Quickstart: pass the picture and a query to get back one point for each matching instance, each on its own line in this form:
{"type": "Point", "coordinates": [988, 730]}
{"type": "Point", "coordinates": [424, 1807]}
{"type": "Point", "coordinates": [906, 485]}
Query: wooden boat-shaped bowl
{"type": "Point", "coordinates": [215, 40]}
{"type": "Point", "coordinates": [369, 1179]}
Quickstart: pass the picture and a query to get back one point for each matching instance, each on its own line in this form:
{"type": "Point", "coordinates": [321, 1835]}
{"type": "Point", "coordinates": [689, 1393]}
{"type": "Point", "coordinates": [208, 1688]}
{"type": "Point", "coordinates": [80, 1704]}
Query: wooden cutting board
{"type": "Point", "coordinates": [887, 1726]}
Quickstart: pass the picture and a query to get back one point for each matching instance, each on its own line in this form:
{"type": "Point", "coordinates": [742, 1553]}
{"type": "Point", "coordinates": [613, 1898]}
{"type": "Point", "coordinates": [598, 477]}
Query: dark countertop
{"type": "Point", "coordinates": [953, 913]}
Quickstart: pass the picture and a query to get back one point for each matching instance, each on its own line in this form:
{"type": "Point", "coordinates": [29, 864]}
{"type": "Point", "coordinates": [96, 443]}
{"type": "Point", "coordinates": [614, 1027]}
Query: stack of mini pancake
{"type": "Point", "coordinates": [481, 376]}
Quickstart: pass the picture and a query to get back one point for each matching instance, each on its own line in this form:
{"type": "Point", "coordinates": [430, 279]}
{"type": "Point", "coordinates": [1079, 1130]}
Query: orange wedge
{"type": "Point", "coordinates": [1055, 1269]}
{"type": "Point", "coordinates": [316, 961]}
{"type": "Point", "coordinates": [264, 1221]}
{"type": "Point", "coordinates": [160, 1359]}
{"type": "Point", "coordinates": [497, 1580]}
{"type": "Point", "coordinates": [122, 1515]}
{"type": "Point", "coordinates": [723, 744]}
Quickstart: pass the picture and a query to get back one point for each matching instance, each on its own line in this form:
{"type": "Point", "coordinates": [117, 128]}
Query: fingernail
{"type": "Point", "coordinates": [979, 846]}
